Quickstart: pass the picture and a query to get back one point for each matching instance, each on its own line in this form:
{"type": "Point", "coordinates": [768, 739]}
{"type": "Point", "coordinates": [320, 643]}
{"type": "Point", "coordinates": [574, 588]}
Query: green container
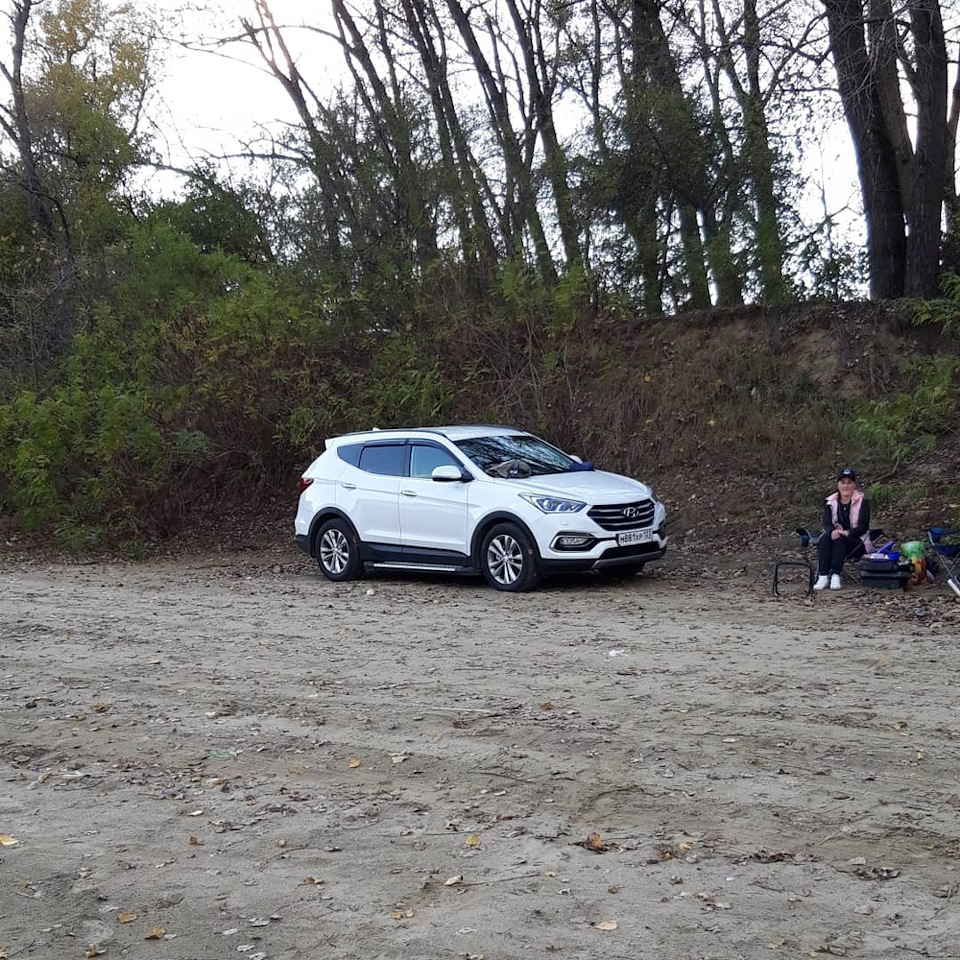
{"type": "Point", "coordinates": [913, 549]}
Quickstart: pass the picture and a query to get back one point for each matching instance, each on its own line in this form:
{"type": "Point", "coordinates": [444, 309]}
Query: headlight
{"type": "Point", "coordinates": [552, 504]}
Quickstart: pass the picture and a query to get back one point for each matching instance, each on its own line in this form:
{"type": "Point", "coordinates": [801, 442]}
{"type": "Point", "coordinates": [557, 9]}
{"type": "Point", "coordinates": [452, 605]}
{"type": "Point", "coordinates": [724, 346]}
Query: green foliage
{"type": "Point", "coordinates": [943, 312]}
{"type": "Point", "coordinates": [906, 424]}
{"type": "Point", "coordinates": [403, 385]}
{"type": "Point", "coordinates": [886, 495]}
{"type": "Point", "coordinates": [199, 367]}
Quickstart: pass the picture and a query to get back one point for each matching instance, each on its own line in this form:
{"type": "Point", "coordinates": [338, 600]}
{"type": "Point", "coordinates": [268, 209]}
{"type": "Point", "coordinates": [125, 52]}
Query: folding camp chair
{"type": "Point", "coordinates": [946, 548]}
{"type": "Point", "coordinates": [809, 539]}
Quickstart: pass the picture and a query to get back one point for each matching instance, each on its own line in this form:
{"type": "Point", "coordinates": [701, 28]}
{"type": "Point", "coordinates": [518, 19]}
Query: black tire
{"type": "Point", "coordinates": [623, 570]}
{"type": "Point", "coordinates": [508, 559]}
{"type": "Point", "coordinates": [338, 551]}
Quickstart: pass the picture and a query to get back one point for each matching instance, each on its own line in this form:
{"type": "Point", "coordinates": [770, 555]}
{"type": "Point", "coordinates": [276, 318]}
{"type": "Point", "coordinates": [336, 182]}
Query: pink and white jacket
{"type": "Point", "coordinates": [856, 505]}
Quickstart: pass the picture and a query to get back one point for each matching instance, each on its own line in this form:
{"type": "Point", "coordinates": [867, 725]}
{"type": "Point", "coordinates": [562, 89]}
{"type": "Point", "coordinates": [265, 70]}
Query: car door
{"type": "Point", "coordinates": [369, 493]}
{"type": "Point", "coordinates": [433, 513]}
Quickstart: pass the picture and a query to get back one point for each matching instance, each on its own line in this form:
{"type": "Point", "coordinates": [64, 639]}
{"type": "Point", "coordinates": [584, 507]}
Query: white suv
{"type": "Point", "coordinates": [471, 499]}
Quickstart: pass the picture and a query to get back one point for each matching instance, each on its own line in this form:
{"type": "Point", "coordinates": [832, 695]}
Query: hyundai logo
{"type": "Point", "coordinates": [632, 512]}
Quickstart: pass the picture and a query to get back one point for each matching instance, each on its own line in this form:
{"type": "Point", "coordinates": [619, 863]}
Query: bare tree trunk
{"type": "Point", "coordinates": [760, 159]}
{"type": "Point", "coordinates": [654, 66]}
{"type": "Point", "coordinates": [540, 82]}
{"type": "Point", "coordinates": [876, 155]}
{"type": "Point", "coordinates": [519, 210]}
{"type": "Point", "coordinates": [929, 173]}
{"type": "Point", "coordinates": [460, 166]}
{"type": "Point", "coordinates": [903, 186]}
{"type": "Point", "coordinates": [16, 124]}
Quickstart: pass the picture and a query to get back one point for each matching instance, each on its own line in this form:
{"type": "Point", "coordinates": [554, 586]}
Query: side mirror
{"type": "Point", "coordinates": [448, 473]}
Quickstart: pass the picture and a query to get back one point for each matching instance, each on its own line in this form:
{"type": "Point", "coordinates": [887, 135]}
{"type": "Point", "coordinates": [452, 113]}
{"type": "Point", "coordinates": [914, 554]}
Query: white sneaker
{"type": "Point", "coordinates": [835, 581]}
{"type": "Point", "coordinates": [821, 583]}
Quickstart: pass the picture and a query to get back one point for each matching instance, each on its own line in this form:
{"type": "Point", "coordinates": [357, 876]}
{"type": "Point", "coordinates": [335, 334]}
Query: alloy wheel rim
{"type": "Point", "coordinates": [505, 559]}
{"type": "Point", "coordinates": [334, 551]}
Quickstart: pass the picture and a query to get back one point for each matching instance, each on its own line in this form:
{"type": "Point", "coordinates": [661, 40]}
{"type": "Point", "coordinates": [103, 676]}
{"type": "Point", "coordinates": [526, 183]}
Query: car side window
{"type": "Point", "coordinates": [350, 453]}
{"type": "Point", "coordinates": [423, 460]}
{"type": "Point", "coordinates": [386, 459]}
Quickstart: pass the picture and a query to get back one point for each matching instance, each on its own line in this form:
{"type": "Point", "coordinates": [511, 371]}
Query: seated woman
{"type": "Point", "coordinates": [846, 525]}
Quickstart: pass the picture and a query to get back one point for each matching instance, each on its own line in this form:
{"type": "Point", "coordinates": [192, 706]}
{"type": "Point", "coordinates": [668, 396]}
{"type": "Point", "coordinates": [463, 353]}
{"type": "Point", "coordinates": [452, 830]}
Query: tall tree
{"type": "Point", "coordinates": [903, 182]}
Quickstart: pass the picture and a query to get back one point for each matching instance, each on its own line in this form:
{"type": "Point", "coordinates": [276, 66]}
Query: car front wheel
{"type": "Point", "coordinates": [508, 559]}
{"type": "Point", "coordinates": [338, 551]}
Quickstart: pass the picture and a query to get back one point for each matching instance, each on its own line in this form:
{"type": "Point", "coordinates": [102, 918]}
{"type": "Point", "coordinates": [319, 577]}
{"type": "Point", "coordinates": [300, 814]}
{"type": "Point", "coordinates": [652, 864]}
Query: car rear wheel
{"type": "Point", "coordinates": [338, 551]}
{"type": "Point", "coordinates": [508, 559]}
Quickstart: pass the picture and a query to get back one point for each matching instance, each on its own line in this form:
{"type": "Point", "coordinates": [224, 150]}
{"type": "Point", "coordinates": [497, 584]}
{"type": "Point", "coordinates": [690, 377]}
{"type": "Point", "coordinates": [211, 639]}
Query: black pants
{"type": "Point", "coordinates": [832, 553]}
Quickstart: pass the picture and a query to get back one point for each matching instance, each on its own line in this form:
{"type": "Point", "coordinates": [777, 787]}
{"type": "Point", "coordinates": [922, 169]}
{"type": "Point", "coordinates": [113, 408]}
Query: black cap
{"type": "Point", "coordinates": [847, 474]}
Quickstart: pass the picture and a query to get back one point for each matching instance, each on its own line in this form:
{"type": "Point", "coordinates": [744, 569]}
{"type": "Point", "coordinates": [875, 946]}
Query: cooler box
{"type": "Point", "coordinates": [885, 572]}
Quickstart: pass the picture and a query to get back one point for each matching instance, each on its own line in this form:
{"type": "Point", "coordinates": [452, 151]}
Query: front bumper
{"type": "Point", "coordinates": [612, 556]}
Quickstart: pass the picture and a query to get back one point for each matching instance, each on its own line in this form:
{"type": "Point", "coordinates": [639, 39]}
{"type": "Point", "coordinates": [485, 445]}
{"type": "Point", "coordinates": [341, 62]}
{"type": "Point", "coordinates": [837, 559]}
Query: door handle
{"type": "Point", "coordinates": [409, 493]}
{"type": "Point", "coordinates": [348, 486]}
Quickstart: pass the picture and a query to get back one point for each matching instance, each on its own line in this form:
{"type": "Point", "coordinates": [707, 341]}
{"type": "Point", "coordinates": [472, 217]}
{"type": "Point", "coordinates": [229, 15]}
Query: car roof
{"type": "Point", "coordinates": [453, 432]}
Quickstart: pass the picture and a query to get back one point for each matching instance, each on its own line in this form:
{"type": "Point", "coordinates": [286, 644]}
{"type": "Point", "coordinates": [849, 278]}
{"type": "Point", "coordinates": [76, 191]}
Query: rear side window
{"type": "Point", "coordinates": [423, 459]}
{"type": "Point", "coordinates": [350, 453]}
{"type": "Point", "coordinates": [386, 459]}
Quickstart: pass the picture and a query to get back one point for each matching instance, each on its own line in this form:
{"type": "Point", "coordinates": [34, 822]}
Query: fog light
{"type": "Point", "coordinates": [574, 541]}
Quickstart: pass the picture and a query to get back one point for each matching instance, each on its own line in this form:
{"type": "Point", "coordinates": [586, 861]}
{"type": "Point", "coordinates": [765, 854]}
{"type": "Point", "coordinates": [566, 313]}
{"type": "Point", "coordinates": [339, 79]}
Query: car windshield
{"type": "Point", "coordinates": [540, 457]}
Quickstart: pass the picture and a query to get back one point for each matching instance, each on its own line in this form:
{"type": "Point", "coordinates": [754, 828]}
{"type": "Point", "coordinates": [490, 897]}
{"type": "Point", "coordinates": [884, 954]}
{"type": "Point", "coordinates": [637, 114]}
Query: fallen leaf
{"type": "Point", "coordinates": [92, 951]}
{"type": "Point", "coordinates": [153, 660]}
{"type": "Point", "coordinates": [194, 842]}
{"type": "Point", "coordinates": [156, 933]}
{"type": "Point", "coordinates": [398, 757]}
{"type": "Point", "coordinates": [195, 813]}
{"type": "Point", "coordinates": [281, 843]}
{"type": "Point", "coordinates": [354, 762]}
{"type": "Point", "coordinates": [100, 707]}
{"type": "Point", "coordinates": [546, 705]}
{"type": "Point", "coordinates": [6, 841]}
{"type": "Point", "coordinates": [613, 888]}
{"type": "Point", "coordinates": [472, 841]}
{"type": "Point", "coordinates": [313, 880]}
{"type": "Point", "coordinates": [594, 842]}
{"type": "Point", "coordinates": [607, 925]}
{"type": "Point", "coordinates": [396, 915]}
{"type": "Point", "coordinates": [454, 881]}
{"type": "Point", "coordinates": [124, 917]}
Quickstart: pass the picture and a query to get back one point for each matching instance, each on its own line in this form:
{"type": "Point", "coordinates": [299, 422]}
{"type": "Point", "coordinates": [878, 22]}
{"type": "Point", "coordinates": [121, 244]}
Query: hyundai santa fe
{"type": "Point", "coordinates": [471, 500]}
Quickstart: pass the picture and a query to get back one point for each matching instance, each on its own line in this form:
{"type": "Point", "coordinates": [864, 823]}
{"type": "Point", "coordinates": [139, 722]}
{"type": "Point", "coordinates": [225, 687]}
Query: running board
{"type": "Point", "coordinates": [426, 567]}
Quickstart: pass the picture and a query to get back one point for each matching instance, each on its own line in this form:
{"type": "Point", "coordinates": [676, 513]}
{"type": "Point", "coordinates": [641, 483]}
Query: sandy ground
{"type": "Point", "coordinates": [225, 757]}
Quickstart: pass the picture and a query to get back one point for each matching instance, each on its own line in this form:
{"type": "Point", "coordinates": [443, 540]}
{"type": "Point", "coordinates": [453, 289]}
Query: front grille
{"type": "Point", "coordinates": [612, 517]}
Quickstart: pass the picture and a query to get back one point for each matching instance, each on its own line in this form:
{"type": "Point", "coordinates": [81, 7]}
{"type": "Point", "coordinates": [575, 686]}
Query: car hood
{"type": "Point", "coordinates": [592, 486]}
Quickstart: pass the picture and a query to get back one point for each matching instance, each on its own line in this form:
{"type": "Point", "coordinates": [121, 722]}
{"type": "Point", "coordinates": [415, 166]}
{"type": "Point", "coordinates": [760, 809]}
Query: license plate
{"type": "Point", "coordinates": [634, 536]}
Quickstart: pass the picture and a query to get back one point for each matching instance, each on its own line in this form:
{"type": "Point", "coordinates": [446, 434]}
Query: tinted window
{"type": "Point", "coordinates": [386, 459]}
{"type": "Point", "coordinates": [350, 453]}
{"type": "Point", "coordinates": [541, 458]}
{"type": "Point", "coordinates": [423, 459]}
